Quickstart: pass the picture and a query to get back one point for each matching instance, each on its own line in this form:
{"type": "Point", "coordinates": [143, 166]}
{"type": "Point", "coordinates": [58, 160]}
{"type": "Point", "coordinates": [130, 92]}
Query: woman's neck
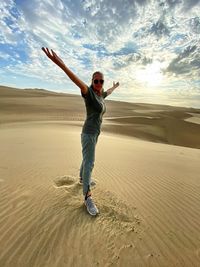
{"type": "Point", "coordinates": [99, 93]}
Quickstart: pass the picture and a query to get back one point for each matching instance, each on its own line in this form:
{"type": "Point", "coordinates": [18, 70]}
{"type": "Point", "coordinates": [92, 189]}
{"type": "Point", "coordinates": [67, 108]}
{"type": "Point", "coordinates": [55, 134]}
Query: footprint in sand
{"type": "Point", "coordinates": [118, 214]}
{"type": "Point", "coordinates": [65, 181]}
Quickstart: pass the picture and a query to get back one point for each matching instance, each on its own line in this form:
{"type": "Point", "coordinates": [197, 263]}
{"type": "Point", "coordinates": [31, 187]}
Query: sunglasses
{"type": "Point", "coordinates": [98, 81]}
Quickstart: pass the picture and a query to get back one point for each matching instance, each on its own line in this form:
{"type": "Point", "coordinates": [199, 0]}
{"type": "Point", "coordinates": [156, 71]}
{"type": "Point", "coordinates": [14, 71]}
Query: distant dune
{"type": "Point", "coordinates": [27, 92]}
{"type": "Point", "coordinates": [158, 123]}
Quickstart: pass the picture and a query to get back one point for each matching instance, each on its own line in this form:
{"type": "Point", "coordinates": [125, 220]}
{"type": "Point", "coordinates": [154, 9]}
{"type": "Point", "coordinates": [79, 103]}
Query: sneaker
{"type": "Point", "coordinates": [91, 207]}
{"type": "Point", "coordinates": [92, 182]}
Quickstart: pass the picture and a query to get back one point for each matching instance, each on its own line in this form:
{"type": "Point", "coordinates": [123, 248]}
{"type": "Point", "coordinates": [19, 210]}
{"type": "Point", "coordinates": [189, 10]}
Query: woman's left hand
{"type": "Point", "coordinates": [115, 85]}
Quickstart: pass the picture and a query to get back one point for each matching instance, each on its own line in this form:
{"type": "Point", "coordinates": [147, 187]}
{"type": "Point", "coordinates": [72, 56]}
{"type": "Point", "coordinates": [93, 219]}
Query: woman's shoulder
{"type": "Point", "coordinates": [88, 93]}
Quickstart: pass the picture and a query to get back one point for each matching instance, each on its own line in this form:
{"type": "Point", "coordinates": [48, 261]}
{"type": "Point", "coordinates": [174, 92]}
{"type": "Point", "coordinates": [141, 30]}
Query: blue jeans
{"type": "Point", "coordinates": [88, 142]}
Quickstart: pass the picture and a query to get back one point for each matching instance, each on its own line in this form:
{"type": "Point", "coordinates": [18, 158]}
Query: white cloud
{"type": "Point", "coordinates": [4, 56]}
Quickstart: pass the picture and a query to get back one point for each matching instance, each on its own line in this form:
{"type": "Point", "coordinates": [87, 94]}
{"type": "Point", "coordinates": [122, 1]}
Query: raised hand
{"type": "Point", "coordinates": [110, 90]}
{"type": "Point", "coordinates": [115, 85]}
{"type": "Point", "coordinates": [54, 57]}
{"type": "Point", "coordinates": [58, 61]}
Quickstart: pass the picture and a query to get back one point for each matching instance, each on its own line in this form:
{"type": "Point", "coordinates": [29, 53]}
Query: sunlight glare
{"type": "Point", "coordinates": [151, 75]}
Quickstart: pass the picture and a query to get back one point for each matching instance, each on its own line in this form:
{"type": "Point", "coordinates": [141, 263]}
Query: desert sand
{"type": "Point", "coordinates": [148, 183]}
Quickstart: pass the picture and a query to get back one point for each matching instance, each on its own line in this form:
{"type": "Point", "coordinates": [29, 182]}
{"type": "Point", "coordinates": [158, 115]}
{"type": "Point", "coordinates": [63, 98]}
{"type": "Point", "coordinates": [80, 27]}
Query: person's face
{"type": "Point", "coordinates": [97, 82]}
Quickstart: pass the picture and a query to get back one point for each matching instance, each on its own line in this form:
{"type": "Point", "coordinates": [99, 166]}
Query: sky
{"type": "Point", "coordinates": [151, 47]}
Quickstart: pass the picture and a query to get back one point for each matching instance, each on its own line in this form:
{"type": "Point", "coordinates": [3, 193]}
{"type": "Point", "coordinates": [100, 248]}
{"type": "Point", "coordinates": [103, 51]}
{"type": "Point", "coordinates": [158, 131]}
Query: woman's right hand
{"type": "Point", "coordinates": [54, 57]}
{"type": "Point", "coordinates": [58, 61]}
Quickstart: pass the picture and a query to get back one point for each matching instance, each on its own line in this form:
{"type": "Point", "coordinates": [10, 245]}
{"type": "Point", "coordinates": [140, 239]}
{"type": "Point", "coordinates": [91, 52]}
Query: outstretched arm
{"type": "Point", "coordinates": [110, 90]}
{"type": "Point", "coordinates": [58, 61]}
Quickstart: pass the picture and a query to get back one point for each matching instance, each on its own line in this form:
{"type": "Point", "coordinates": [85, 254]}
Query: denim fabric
{"type": "Point", "coordinates": [88, 142]}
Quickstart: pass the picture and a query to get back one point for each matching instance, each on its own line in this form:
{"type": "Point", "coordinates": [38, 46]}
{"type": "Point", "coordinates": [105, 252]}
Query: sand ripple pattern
{"type": "Point", "coordinates": [58, 231]}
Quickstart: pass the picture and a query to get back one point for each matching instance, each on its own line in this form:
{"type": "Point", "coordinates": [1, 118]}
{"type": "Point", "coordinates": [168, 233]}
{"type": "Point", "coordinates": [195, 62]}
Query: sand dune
{"type": "Point", "coordinates": [147, 192]}
{"type": "Point", "coordinates": [158, 123]}
{"type": "Point", "coordinates": [164, 128]}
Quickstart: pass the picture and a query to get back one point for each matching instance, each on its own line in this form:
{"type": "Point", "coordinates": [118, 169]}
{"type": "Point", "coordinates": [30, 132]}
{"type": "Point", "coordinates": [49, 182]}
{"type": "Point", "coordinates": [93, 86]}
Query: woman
{"type": "Point", "coordinates": [95, 108]}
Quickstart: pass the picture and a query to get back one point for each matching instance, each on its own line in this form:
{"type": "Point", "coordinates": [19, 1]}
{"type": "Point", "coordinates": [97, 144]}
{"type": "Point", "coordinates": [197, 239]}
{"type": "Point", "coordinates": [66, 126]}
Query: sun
{"type": "Point", "coordinates": [151, 75]}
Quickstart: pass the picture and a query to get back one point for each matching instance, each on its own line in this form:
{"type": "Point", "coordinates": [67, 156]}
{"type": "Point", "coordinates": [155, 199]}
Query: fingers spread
{"type": "Point", "coordinates": [48, 50]}
{"type": "Point", "coordinates": [54, 54]}
{"type": "Point", "coordinates": [43, 49]}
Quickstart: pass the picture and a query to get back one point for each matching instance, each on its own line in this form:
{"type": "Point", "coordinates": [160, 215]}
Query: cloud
{"type": "Point", "coordinates": [4, 56]}
{"type": "Point", "coordinates": [187, 62]}
{"type": "Point", "coordinates": [173, 3]}
{"type": "Point", "coordinates": [188, 4]}
{"type": "Point", "coordinates": [136, 59]}
{"type": "Point", "coordinates": [159, 28]}
{"type": "Point", "coordinates": [195, 24]}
